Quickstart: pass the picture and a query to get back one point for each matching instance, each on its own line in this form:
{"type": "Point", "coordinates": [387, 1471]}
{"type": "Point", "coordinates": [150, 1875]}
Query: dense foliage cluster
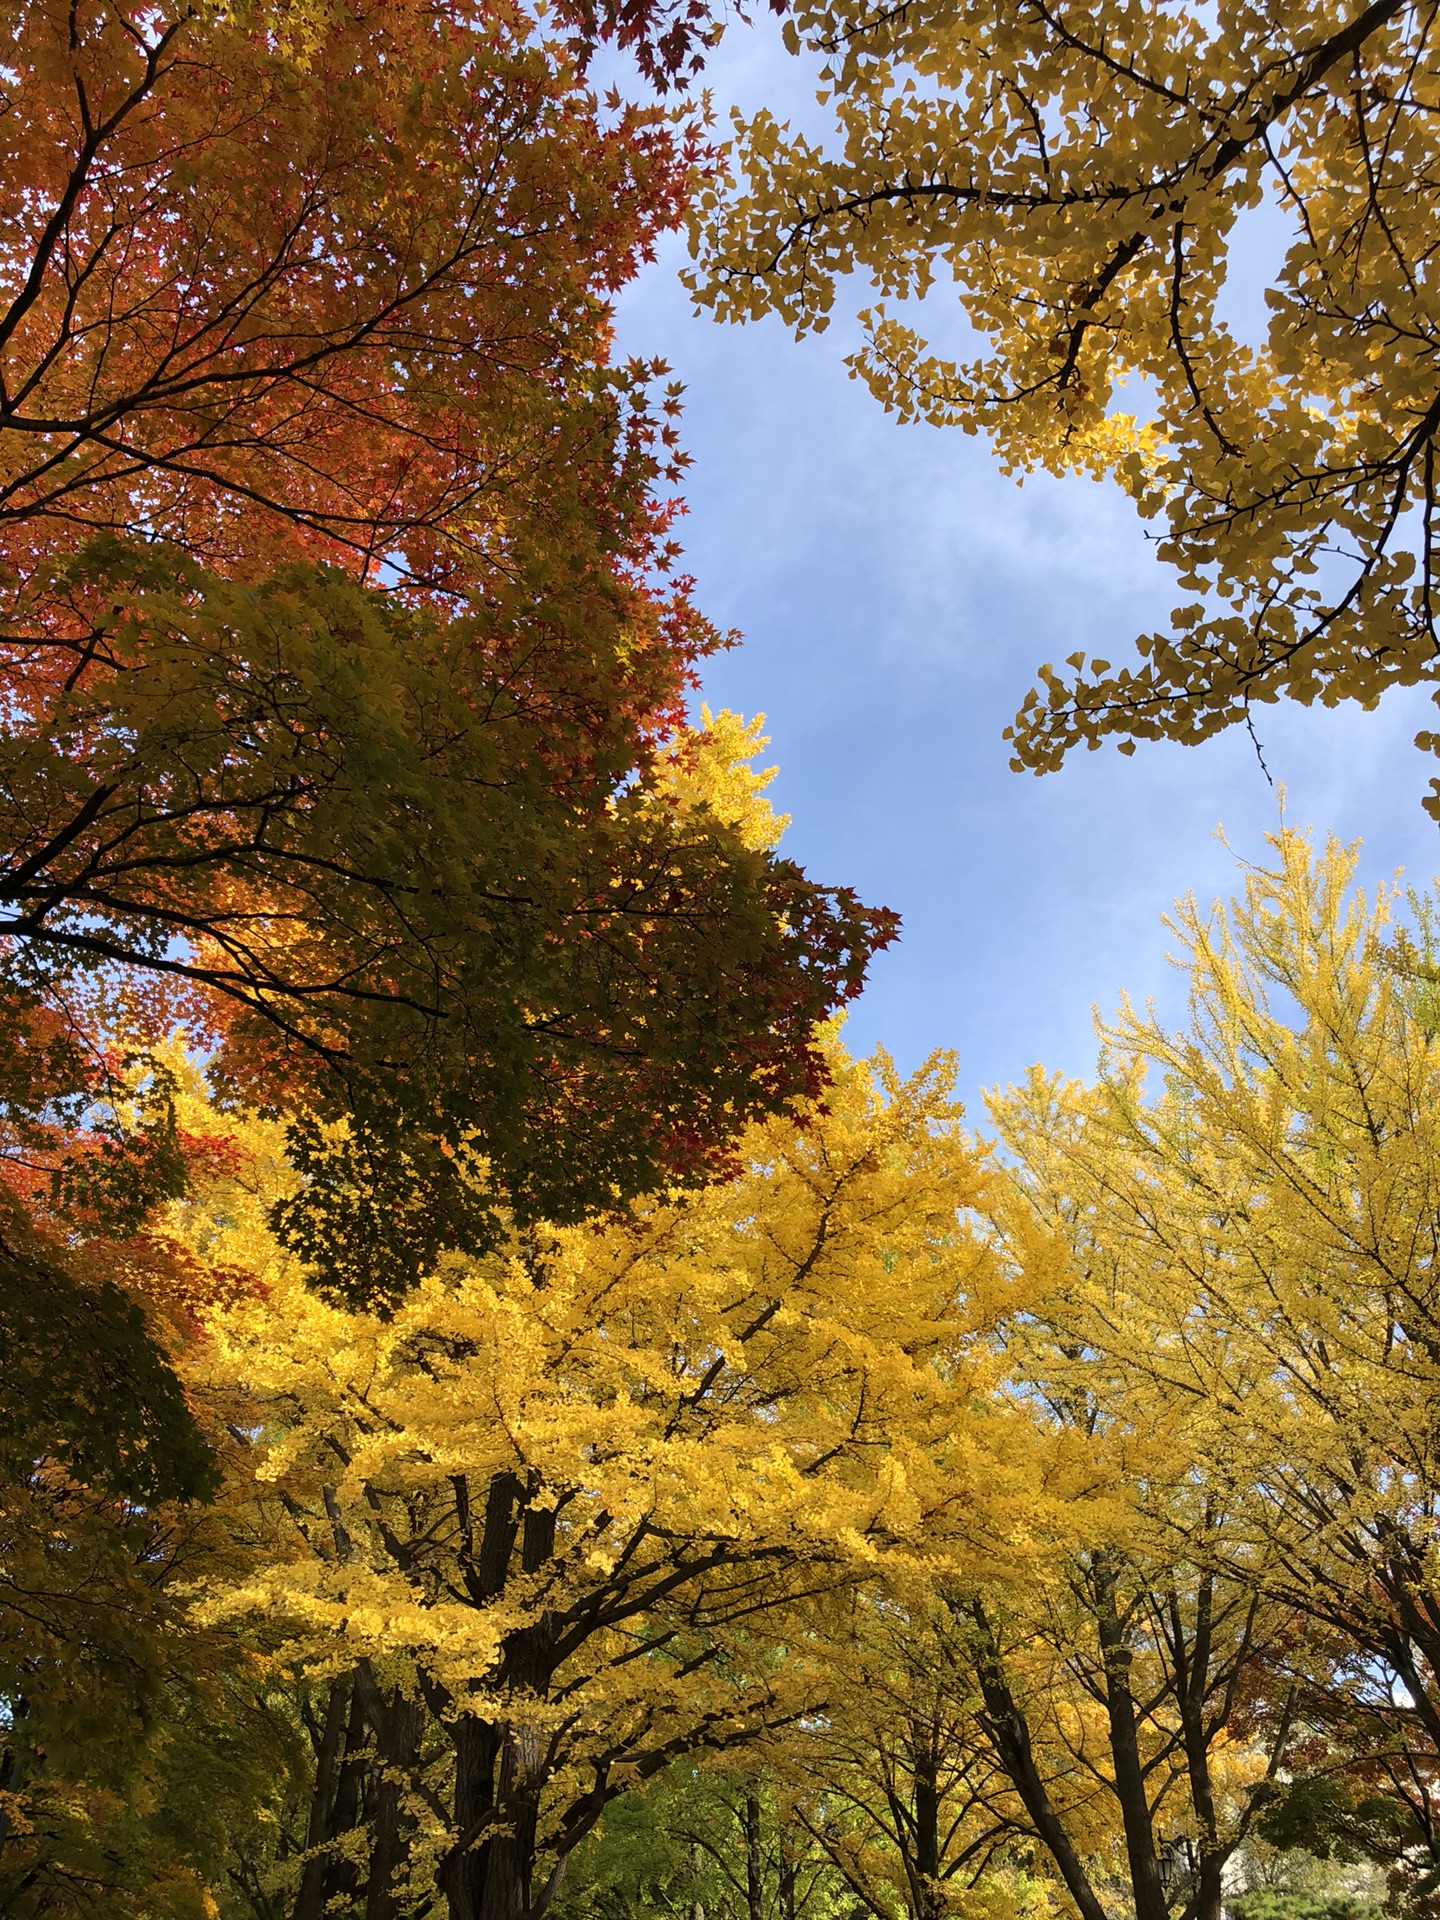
{"type": "Point", "coordinates": [1079, 174]}
{"type": "Point", "coordinates": [902, 1525]}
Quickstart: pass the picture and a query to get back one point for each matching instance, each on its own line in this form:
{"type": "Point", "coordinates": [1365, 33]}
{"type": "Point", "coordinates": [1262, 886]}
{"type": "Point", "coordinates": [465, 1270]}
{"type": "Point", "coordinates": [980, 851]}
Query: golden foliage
{"type": "Point", "coordinates": [566, 1512]}
{"type": "Point", "coordinates": [1080, 176]}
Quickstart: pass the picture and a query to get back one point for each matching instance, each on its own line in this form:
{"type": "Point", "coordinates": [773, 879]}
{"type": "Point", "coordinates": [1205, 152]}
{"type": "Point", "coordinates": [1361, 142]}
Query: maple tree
{"type": "Point", "coordinates": [329, 281]}
{"type": "Point", "coordinates": [132, 1742]}
{"type": "Point", "coordinates": [339, 663]}
{"type": "Point", "coordinates": [1080, 175]}
{"type": "Point", "coordinates": [90, 1297]}
{"type": "Point", "coordinates": [453, 924]}
{"type": "Point", "coordinates": [289, 293]}
{"type": "Point", "coordinates": [343, 746]}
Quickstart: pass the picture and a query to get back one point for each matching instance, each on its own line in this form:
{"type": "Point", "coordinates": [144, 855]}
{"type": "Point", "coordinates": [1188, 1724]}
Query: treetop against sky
{"type": "Point", "coordinates": [897, 591]}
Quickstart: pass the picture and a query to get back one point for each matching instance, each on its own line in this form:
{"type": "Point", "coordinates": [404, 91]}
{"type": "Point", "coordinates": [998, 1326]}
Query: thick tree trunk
{"type": "Point", "coordinates": [319, 1831]}
{"type": "Point", "coordinates": [477, 1748]}
{"type": "Point", "coordinates": [499, 1775]}
{"type": "Point", "coordinates": [330, 1879]}
{"type": "Point", "coordinates": [499, 1766]}
{"type": "Point", "coordinates": [1146, 1885]}
{"type": "Point", "coordinates": [397, 1753]}
{"type": "Point", "coordinates": [510, 1861]}
{"type": "Point", "coordinates": [1010, 1734]}
{"type": "Point", "coordinates": [498, 1780]}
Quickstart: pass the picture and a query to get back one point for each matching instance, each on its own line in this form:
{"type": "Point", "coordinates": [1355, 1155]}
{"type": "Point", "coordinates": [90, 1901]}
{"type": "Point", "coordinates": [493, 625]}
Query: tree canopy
{"type": "Point", "coordinates": [333, 281]}
{"type": "Point", "coordinates": [999, 1531]}
{"type": "Point", "coordinates": [501, 1416]}
{"type": "Point", "coordinates": [542, 1526]}
{"type": "Point", "coordinates": [1079, 177]}
{"type": "Point", "coordinates": [427, 898]}
{"type": "Point", "coordinates": [343, 682]}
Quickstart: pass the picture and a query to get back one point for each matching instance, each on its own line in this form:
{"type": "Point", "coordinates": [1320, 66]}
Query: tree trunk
{"type": "Point", "coordinates": [319, 1829]}
{"type": "Point", "coordinates": [510, 1858]}
{"type": "Point", "coordinates": [1146, 1884]}
{"type": "Point", "coordinates": [399, 1727]}
{"type": "Point", "coordinates": [499, 1767]}
{"type": "Point", "coordinates": [1192, 1672]}
{"type": "Point", "coordinates": [498, 1779]}
{"type": "Point", "coordinates": [477, 1748]}
{"type": "Point", "coordinates": [789, 1873]}
{"type": "Point", "coordinates": [1009, 1732]}
{"type": "Point", "coordinates": [336, 1879]}
{"type": "Point", "coordinates": [929, 1904]}
{"type": "Point", "coordinates": [754, 1878]}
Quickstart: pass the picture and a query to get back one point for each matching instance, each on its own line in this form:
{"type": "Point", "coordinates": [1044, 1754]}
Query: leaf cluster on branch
{"type": "Point", "coordinates": [1079, 176]}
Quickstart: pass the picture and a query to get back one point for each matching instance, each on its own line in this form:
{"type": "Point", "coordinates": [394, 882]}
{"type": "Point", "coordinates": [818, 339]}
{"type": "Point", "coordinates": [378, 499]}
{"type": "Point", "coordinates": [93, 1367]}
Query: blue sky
{"type": "Point", "coordinates": [895, 592]}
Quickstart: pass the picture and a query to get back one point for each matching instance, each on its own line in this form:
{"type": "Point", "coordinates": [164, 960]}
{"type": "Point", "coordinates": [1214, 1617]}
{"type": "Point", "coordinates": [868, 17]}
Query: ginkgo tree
{"type": "Point", "coordinates": [1025, 1532]}
{"type": "Point", "coordinates": [1111, 1725]}
{"type": "Point", "coordinates": [1078, 174]}
{"type": "Point", "coordinates": [1233, 1236]}
{"type": "Point", "coordinates": [896, 1786]}
{"type": "Point", "coordinates": [562, 1518]}
{"type": "Point", "coordinates": [98, 1441]}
